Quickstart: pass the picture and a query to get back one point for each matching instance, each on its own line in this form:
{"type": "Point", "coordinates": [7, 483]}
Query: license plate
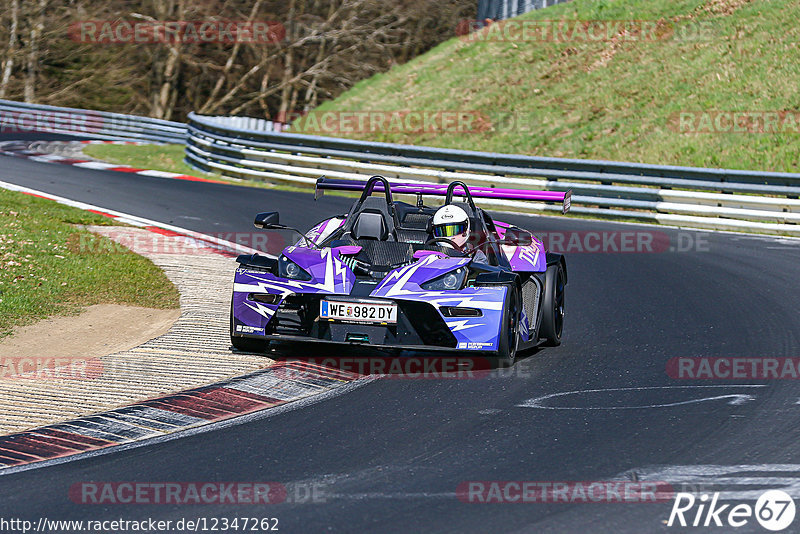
{"type": "Point", "coordinates": [362, 312]}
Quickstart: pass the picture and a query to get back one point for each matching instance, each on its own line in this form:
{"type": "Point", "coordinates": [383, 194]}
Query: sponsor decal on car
{"type": "Point", "coordinates": [245, 329]}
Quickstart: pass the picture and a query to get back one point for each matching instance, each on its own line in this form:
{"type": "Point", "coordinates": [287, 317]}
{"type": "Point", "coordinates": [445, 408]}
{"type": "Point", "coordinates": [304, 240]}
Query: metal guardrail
{"type": "Point", "coordinates": [506, 9]}
{"type": "Point", "coordinates": [29, 118]}
{"type": "Point", "coordinates": [248, 123]}
{"type": "Point", "coordinates": [683, 196]}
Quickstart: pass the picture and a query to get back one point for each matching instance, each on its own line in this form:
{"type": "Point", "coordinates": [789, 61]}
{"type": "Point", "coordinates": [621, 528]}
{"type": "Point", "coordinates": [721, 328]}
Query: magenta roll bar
{"type": "Point", "coordinates": [402, 188]}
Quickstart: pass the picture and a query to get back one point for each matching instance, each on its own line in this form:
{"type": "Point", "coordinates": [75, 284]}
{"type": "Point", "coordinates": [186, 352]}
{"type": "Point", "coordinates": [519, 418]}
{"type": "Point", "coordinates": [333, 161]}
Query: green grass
{"type": "Point", "coordinates": [167, 158]}
{"type": "Point", "coordinates": [624, 108]}
{"type": "Point", "coordinates": [44, 270]}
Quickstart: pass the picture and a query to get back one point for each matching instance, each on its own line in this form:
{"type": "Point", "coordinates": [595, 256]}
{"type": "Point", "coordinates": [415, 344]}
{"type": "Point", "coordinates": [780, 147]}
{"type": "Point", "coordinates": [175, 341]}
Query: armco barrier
{"type": "Point", "coordinates": [721, 199]}
{"type": "Point", "coordinates": [30, 118]}
{"type": "Point", "coordinates": [505, 9]}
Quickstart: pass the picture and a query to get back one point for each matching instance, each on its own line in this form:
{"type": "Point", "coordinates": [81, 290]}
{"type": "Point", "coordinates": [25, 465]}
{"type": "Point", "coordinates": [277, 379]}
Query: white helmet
{"type": "Point", "coordinates": [451, 222]}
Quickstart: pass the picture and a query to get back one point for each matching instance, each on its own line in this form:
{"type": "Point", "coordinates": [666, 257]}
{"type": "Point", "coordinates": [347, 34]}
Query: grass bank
{"type": "Point", "coordinates": [619, 98]}
{"type": "Point", "coordinates": [167, 158]}
{"type": "Point", "coordinates": [49, 266]}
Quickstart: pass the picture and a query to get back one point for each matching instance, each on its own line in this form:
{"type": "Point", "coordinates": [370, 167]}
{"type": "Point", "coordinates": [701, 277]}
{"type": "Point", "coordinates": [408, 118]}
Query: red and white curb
{"type": "Point", "coordinates": [22, 149]}
{"type": "Point", "coordinates": [195, 410]}
{"type": "Point", "coordinates": [98, 142]}
{"type": "Point", "coordinates": [283, 383]}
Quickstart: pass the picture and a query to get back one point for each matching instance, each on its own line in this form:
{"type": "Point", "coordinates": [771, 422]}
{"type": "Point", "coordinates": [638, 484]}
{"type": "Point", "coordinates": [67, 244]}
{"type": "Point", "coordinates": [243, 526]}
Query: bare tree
{"type": "Point", "coordinates": [230, 62]}
{"type": "Point", "coordinates": [167, 62]}
{"type": "Point", "coordinates": [332, 44]}
{"type": "Point", "coordinates": [329, 45]}
{"type": "Point", "coordinates": [32, 56]}
{"type": "Point", "coordinates": [8, 62]}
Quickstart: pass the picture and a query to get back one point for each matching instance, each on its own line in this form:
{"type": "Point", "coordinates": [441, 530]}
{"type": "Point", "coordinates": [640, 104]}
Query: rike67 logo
{"type": "Point", "coordinates": [774, 510]}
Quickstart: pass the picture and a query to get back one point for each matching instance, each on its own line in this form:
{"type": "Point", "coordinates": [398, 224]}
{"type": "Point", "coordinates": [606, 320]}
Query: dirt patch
{"type": "Point", "coordinates": [713, 7]}
{"type": "Point", "coordinates": [723, 7]}
{"type": "Point", "coordinates": [98, 331]}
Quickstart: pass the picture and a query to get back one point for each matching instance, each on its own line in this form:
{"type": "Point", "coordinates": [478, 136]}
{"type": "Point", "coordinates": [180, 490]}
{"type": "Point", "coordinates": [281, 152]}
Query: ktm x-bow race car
{"type": "Point", "coordinates": [379, 277]}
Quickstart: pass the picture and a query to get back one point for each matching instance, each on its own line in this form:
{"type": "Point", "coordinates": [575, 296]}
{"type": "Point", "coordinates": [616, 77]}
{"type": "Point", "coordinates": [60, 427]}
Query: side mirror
{"type": "Point", "coordinates": [517, 237]}
{"type": "Point", "coordinates": [268, 221]}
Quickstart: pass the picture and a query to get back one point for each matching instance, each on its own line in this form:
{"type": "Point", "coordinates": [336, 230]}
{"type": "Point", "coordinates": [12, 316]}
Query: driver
{"type": "Point", "coordinates": [452, 223]}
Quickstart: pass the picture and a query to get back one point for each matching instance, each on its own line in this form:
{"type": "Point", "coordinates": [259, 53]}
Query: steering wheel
{"type": "Point", "coordinates": [435, 240]}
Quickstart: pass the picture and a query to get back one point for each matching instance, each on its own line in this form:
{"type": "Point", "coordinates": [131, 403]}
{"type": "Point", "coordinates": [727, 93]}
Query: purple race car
{"type": "Point", "coordinates": [379, 277]}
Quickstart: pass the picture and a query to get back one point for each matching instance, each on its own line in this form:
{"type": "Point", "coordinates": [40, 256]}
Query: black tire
{"type": "Point", "coordinates": [509, 332]}
{"type": "Point", "coordinates": [553, 305]}
{"type": "Point", "coordinates": [246, 344]}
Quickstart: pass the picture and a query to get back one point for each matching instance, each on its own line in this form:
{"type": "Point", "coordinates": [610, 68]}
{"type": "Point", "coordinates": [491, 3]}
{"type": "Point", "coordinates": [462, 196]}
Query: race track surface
{"type": "Point", "coordinates": [390, 455]}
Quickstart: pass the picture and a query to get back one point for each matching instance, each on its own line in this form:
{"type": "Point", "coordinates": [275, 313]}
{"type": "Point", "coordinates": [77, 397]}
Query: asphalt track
{"type": "Point", "coordinates": [391, 454]}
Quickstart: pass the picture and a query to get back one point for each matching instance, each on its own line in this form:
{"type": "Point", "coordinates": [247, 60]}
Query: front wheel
{"type": "Point", "coordinates": [553, 305]}
{"type": "Point", "coordinates": [509, 332]}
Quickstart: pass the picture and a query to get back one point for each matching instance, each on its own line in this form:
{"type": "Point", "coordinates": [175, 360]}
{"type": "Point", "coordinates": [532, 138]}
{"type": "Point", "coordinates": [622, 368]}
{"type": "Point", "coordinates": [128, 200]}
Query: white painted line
{"type": "Point", "coordinates": [131, 222]}
{"type": "Point", "coordinates": [734, 399]}
{"type": "Point", "coordinates": [96, 165]}
{"type": "Point", "coordinates": [133, 219]}
{"type": "Point", "coordinates": [157, 174]}
{"type": "Point", "coordinates": [733, 482]}
{"type": "Point", "coordinates": [46, 158]}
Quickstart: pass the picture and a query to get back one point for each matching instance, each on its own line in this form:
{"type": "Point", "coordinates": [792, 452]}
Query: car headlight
{"type": "Point", "coordinates": [289, 269]}
{"type": "Point", "coordinates": [451, 280]}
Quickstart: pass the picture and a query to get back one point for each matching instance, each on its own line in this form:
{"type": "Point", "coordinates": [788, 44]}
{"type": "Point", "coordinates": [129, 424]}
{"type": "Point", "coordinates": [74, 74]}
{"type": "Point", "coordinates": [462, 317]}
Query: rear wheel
{"type": "Point", "coordinates": [509, 332]}
{"type": "Point", "coordinates": [246, 344]}
{"type": "Point", "coordinates": [553, 305]}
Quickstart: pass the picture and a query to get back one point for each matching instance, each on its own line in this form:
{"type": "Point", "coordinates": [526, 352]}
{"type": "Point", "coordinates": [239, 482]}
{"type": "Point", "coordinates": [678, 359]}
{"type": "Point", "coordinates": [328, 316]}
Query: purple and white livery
{"type": "Point", "coordinates": [377, 278]}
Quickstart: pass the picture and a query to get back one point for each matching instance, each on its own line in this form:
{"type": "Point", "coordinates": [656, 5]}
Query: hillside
{"type": "Point", "coordinates": [619, 98]}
